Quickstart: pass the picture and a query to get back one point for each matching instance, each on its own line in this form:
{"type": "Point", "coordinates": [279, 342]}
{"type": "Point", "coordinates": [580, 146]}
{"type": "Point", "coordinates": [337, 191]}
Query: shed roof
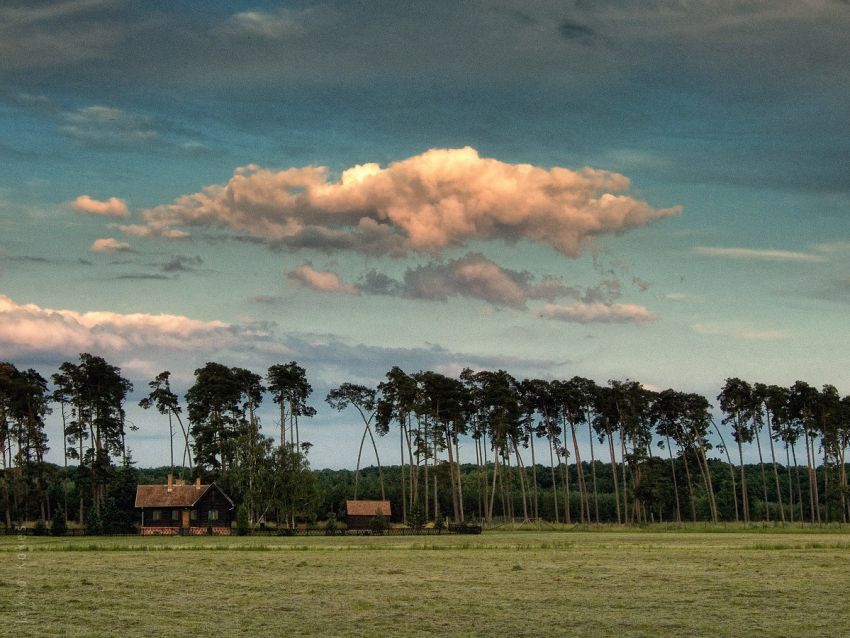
{"type": "Point", "coordinates": [367, 508]}
{"type": "Point", "coordinates": [179, 496]}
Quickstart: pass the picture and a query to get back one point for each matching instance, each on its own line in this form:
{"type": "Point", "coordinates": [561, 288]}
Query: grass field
{"type": "Point", "coordinates": [762, 582]}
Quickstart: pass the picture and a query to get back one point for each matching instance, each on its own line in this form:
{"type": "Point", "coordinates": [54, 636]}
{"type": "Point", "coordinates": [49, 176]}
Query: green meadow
{"type": "Point", "coordinates": [756, 582]}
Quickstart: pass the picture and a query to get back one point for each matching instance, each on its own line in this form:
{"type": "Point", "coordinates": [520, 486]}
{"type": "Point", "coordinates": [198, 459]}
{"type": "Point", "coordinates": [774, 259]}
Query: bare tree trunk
{"type": "Point", "coordinates": [554, 481]}
{"type": "Point", "coordinates": [378, 459]}
{"type": "Point", "coordinates": [614, 471]}
{"type": "Point", "coordinates": [709, 486]}
{"type": "Point", "coordinates": [812, 481]}
{"type": "Point", "coordinates": [799, 486]}
{"type": "Point", "coordinates": [790, 482]}
{"type": "Point", "coordinates": [582, 486]}
{"type": "Point", "coordinates": [521, 470]}
{"type": "Point", "coordinates": [775, 470]}
{"type": "Point", "coordinates": [763, 476]}
{"type": "Point", "coordinates": [593, 471]}
{"type": "Point", "coordinates": [403, 484]}
{"type": "Point", "coordinates": [357, 468]}
{"type": "Point", "coordinates": [745, 503]}
{"type": "Point", "coordinates": [493, 491]}
{"type": "Point", "coordinates": [534, 479]}
{"type": "Point", "coordinates": [675, 482]}
{"type": "Point", "coordinates": [452, 485]}
{"type": "Point", "coordinates": [623, 468]}
{"type": "Point", "coordinates": [690, 485]}
{"type": "Point", "coordinates": [459, 484]}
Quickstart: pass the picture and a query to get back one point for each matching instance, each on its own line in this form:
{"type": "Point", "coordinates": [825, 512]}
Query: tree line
{"type": "Point", "coordinates": [650, 455]}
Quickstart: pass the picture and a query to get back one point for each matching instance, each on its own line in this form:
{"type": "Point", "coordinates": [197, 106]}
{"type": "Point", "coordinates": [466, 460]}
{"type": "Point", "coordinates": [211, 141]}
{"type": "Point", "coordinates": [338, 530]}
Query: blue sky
{"type": "Point", "coordinates": [161, 202]}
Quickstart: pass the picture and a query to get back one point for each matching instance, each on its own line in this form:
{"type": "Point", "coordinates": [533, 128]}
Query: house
{"type": "Point", "coordinates": [359, 513]}
{"type": "Point", "coordinates": [177, 508]}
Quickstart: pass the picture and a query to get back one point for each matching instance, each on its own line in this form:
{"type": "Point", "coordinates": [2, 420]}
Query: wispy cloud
{"type": "Point", "coordinates": [741, 331]}
{"type": "Point", "coordinates": [109, 245]}
{"type": "Point", "coordinates": [107, 126]}
{"type": "Point", "coordinates": [582, 312]}
{"type": "Point", "coordinates": [759, 254]}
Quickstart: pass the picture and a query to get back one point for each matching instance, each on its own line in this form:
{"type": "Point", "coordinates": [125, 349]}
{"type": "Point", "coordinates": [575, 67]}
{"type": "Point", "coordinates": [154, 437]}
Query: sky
{"type": "Point", "coordinates": [618, 189]}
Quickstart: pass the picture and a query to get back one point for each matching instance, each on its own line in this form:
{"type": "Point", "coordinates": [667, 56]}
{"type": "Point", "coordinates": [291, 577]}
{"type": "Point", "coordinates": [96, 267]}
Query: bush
{"type": "Point", "coordinates": [40, 528]}
{"type": "Point", "coordinates": [59, 524]}
{"type": "Point", "coordinates": [94, 522]}
{"type": "Point", "coordinates": [417, 517]}
{"type": "Point", "coordinates": [379, 523]}
{"type": "Point", "coordinates": [330, 524]}
{"type": "Point", "coordinates": [242, 523]}
{"type": "Point", "coordinates": [439, 522]}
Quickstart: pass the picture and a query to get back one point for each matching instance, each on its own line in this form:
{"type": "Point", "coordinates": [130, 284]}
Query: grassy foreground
{"type": "Point", "coordinates": [514, 583]}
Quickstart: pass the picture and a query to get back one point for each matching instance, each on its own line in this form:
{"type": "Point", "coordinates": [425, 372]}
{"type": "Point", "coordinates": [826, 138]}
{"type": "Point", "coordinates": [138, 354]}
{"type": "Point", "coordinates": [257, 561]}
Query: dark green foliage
{"type": "Point", "coordinates": [242, 523]}
{"type": "Point", "coordinates": [417, 517]}
{"type": "Point", "coordinates": [439, 522]}
{"type": "Point", "coordinates": [40, 528]}
{"type": "Point", "coordinates": [378, 524]}
{"type": "Point", "coordinates": [59, 525]}
{"type": "Point", "coordinates": [331, 524]}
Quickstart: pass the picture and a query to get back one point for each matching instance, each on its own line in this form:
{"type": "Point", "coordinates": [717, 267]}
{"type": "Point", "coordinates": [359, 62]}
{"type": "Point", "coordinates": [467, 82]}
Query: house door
{"type": "Point", "coordinates": [185, 519]}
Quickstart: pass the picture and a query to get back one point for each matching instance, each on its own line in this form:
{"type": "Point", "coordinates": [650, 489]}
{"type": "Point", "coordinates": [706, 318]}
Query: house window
{"type": "Point", "coordinates": [175, 515]}
{"type": "Point", "coordinates": [212, 515]}
{"type": "Point", "coordinates": [156, 515]}
{"type": "Point", "coordinates": [193, 515]}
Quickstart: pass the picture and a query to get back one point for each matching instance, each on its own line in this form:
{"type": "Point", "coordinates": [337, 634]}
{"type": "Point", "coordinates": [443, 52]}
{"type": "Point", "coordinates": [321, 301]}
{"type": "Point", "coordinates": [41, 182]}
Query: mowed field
{"type": "Point", "coordinates": [595, 583]}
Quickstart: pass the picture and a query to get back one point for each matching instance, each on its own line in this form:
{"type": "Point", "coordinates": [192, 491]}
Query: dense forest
{"type": "Point", "coordinates": [650, 454]}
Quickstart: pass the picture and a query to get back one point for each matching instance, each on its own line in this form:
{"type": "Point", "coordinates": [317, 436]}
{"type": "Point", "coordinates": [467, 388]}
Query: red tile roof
{"type": "Point", "coordinates": [159, 496]}
{"type": "Point", "coordinates": [367, 508]}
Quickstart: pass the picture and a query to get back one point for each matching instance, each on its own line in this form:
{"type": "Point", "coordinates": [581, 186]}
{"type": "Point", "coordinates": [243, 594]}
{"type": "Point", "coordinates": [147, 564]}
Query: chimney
{"type": "Point", "coordinates": [198, 484]}
{"type": "Point", "coordinates": [170, 482]}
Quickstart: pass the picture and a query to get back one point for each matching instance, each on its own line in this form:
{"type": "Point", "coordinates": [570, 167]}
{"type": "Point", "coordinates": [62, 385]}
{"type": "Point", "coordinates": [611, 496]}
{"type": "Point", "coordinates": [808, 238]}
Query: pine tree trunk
{"type": "Point", "coordinates": [593, 472]}
{"type": "Point", "coordinates": [614, 471]}
{"type": "Point", "coordinates": [521, 470]}
{"type": "Point", "coordinates": [459, 484]}
{"type": "Point", "coordinates": [554, 481]}
{"type": "Point", "coordinates": [357, 467]}
{"type": "Point", "coordinates": [745, 503]}
{"type": "Point", "coordinates": [534, 479]}
{"type": "Point", "coordinates": [582, 486]}
{"type": "Point", "coordinates": [378, 459]}
{"type": "Point", "coordinates": [775, 471]}
{"type": "Point", "coordinates": [675, 482]}
{"type": "Point", "coordinates": [763, 476]}
{"type": "Point", "coordinates": [455, 510]}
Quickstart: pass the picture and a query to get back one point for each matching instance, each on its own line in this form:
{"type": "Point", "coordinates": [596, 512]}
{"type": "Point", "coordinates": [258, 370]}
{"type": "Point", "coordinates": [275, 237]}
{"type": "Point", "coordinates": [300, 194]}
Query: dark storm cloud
{"type": "Point", "coordinates": [743, 92]}
{"type": "Point", "coordinates": [570, 30]}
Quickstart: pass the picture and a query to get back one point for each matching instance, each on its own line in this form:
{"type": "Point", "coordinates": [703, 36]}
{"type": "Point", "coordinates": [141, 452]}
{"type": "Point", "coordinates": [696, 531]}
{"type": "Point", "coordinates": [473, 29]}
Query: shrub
{"type": "Point", "coordinates": [379, 523]}
{"type": "Point", "coordinates": [417, 517]}
{"type": "Point", "coordinates": [40, 528]}
{"type": "Point", "coordinates": [439, 522]}
{"type": "Point", "coordinates": [330, 524]}
{"type": "Point", "coordinates": [242, 523]}
{"type": "Point", "coordinates": [59, 524]}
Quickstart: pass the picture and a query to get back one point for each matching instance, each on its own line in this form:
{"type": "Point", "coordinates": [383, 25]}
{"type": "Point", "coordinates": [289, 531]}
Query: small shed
{"type": "Point", "coordinates": [359, 513]}
{"type": "Point", "coordinates": [177, 508]}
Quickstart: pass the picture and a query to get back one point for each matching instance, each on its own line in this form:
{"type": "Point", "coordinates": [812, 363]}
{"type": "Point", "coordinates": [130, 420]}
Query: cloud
{"type": "Point", "coordinates": [426, 203]}
{"type": "Point", "coordinates": [109, 245]}
{"type": "Point", "coordinates": [182, 263]}
{"type": "Point", "coordinates": [759, 254]}
{"type": "Point", "coordinates": [472, 276]}
{"type": "Point", "coordinates": [740, 331]}
{"type": "Point", "coordinates": [321, 280]}
{"type": "Point", "coordinates": [112, 207]}
{"type": "Point", "coordinates": [152, 230]}
{"type": "Point", "coordinates": [582, 312]}
{"type": "Point", "coordinates": [26, 328]}
{"type": "Point", "coordinates": [571, 30]}
{"type": "Point", "coordinates": [107, 126]}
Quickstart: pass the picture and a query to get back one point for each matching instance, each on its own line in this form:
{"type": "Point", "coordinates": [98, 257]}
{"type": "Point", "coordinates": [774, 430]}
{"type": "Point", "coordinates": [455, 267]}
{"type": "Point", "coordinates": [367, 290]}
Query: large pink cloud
{"type": "Point", "coordinates": [112, 207]}
{"type": "Point", "coordinates": [31, 328]}
{"type": "Point", "coordinates": [425, 203]}
{"type": "Point", "coordinates": [109, 245]}
{"type": "Point", "coordinates": [582, 312]}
